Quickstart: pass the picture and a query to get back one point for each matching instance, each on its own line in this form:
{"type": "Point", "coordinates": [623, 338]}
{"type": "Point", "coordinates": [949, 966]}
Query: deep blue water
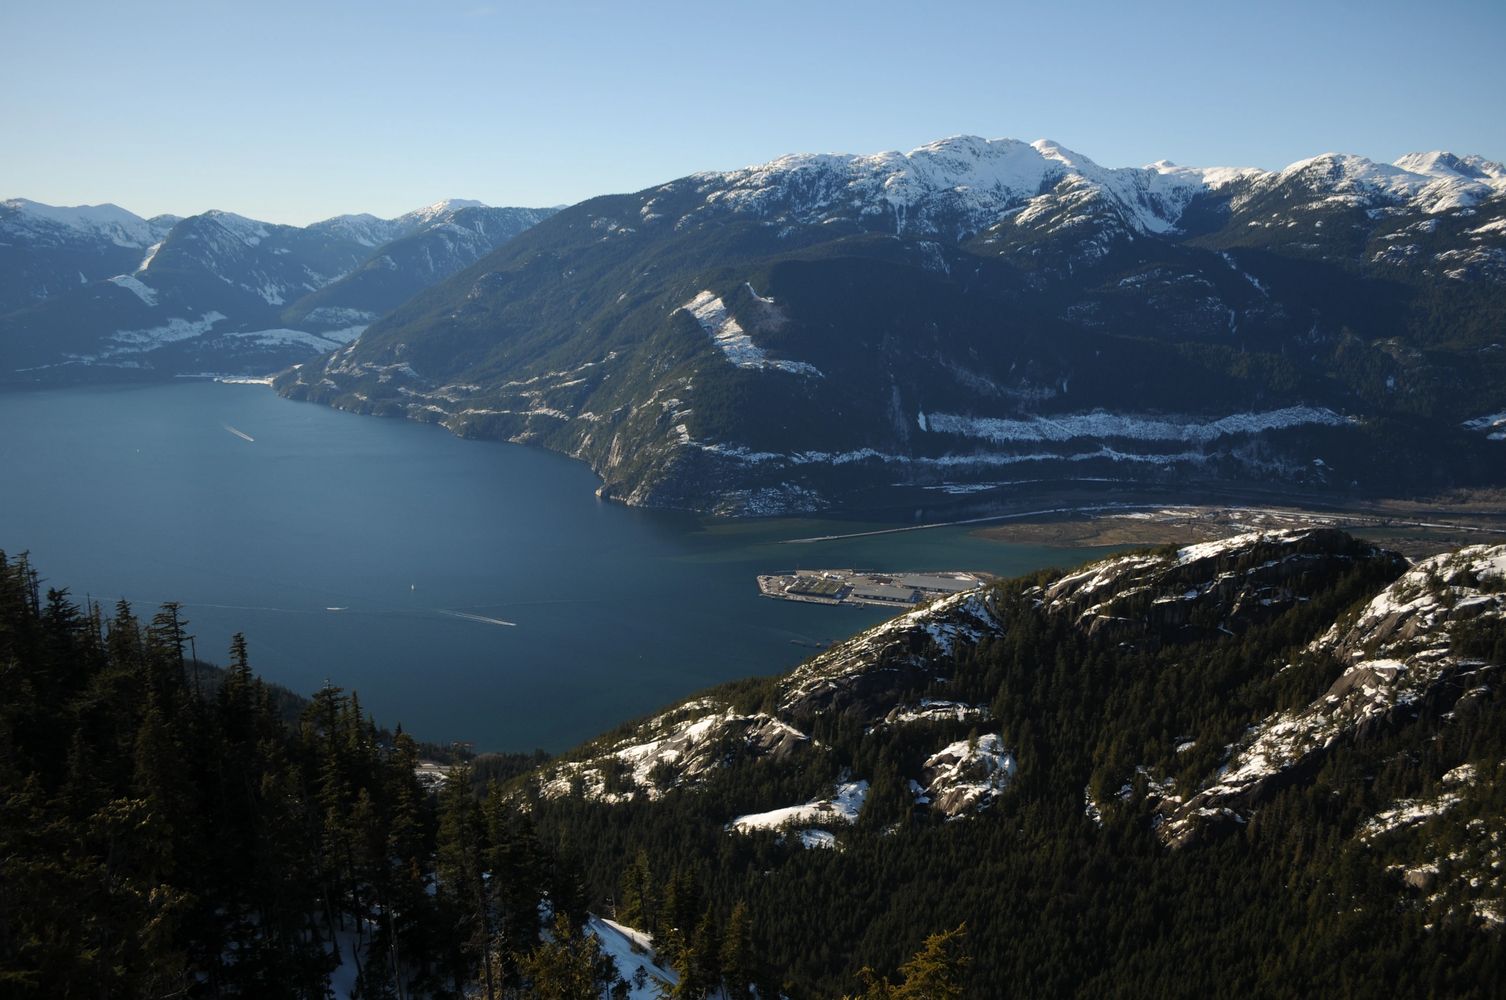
{"type": "Point", "coordinates": [148, 493]}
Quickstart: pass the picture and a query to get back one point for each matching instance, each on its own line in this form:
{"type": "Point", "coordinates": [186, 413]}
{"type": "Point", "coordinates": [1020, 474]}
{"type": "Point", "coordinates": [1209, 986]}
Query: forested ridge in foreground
{"type": "Point", "coordinates": [166, 831]}
{"type": "Point", "coordinates": [1273, 764]}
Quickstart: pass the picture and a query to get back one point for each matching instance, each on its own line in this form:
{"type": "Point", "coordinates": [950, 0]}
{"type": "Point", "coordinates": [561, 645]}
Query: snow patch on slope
{"type": "Point", "coordinates": [725, 332]}
{"type": "Point", "coordinates": [174, 330]}
{"type": "Point", "coordinates": [142, 291]}
{"type": "Point", "coordinates": [1492, 425]}
{"type": "Point", "coordinates": [631, 949]}
{"type": "Point", "coordinates": [673, 748]}
{"type": "Point", "coordinates": [1103, 424]}
{"type": "Point", "coordinates": [842, 807]}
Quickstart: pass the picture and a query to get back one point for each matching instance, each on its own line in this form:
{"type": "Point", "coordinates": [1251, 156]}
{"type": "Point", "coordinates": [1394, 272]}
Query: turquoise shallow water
{"type": "Point", "coordinates": [262, 515]}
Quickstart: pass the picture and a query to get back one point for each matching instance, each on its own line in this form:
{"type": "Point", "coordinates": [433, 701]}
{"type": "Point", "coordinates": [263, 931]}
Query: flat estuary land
{"type": "Point", "coordinates": [850, 586]}
{"type": "Point", "coordinates": [1416, 528]}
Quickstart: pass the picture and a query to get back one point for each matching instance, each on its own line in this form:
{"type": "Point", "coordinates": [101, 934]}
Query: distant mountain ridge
{"type": "Point", "coordinates": [818, 330]}
{"type": "Point", "coordinates": [102, 290]}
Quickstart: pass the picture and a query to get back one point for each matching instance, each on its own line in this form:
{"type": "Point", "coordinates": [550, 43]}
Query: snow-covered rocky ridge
{"type": "Point", "coordinates": [1399, 661]}
{"type": "Point", "coordinates": [22, 219]}
{"type": "Point", "coordinates": [868, 675]}
{"type": "Point", "coordinates": [1432, 182]}
{"type": "Point", "coordinates": [912, 683]}
{"type": "Point", "coordinates": [672, 750]}
{"type": "Point", "coordinates": [965, 184]}
{"type": "Point", "coordinates": [871, 678]}
{"type": "Point", "coordinates": [1202, 590]}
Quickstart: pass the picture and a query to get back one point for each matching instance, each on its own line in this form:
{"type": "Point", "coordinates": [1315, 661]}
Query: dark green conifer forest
{"type": "Point", "coordinates": [168, 828]}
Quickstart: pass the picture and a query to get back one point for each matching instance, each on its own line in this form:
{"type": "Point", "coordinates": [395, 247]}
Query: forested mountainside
{"type": "Point", "coordinates": [94, 293]}
{"type": "Point", "coordinates": [873, 331]}
{"type": "Point", "coordinates": [166, 831]}
{"type": "Point", "coordinates": [1274, 766]}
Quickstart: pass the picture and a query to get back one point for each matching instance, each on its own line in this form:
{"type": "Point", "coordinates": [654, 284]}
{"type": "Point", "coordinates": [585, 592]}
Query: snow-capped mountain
{"type": "Point", "coordinates": [46, 250]}
{"type": "Point", "coordinates": [221, 292]}
{"type": "Point", "coordinates": [956, 186]}
{"type": "Point", "coordinates": [912, 326]}
{"type": "Point", "coordinates": [431, 244]}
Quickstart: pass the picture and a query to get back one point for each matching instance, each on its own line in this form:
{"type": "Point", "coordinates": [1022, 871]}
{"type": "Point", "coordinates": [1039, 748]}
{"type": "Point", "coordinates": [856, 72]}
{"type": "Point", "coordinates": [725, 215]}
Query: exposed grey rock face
{"type": "Point", "coordinates": [1401, 661]}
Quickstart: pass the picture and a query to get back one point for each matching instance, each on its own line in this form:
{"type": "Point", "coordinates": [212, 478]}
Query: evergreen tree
{"type": "Point", "coordinates": [571, 966]}
{"type": "Point", "coordinates": [738, 964]}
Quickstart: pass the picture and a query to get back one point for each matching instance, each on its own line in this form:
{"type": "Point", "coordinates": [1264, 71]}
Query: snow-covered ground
{"type": "Point", "coordinates": [630, 950]}
{"type": "Point", "coordinates": [1101, 424]}
{"type": "Point", "coordinates": [725, 332]}
{"type": "Point", "coordinates": [842, 807]}
{"type": "Point", "coordinates": [142, 291]}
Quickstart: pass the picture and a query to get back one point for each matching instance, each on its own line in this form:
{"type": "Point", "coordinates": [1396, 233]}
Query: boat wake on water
{"type": "Point", "coordinates": [478, 618]}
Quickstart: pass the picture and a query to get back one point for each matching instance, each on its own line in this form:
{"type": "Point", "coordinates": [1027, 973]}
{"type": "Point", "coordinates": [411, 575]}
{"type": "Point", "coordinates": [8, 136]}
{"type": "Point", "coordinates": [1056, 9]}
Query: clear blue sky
{"type": "Point", "coordinates": [292, 112]}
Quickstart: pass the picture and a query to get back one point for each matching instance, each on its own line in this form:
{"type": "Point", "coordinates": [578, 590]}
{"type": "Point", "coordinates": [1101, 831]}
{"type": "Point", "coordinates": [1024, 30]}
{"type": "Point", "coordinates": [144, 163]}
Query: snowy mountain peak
{"type": "Point", "coordinates": [1431, 182]}
{"type": "Point", "coordinates": [423, 216]}
{"type": "Point", "coordinates": [248, 231]}
{"type": "Point", "coordinates": [455, 204]}
{"type": "Point", "coordinates": [1446, 165]}
{"type": "Point", "coordinates": [107, 221]}
{"type": "Point", "coordinates": [963, 184]}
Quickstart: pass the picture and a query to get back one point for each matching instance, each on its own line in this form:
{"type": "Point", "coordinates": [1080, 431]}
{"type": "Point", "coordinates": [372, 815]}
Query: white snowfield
{"type": "Point", "coordinates": [681, 747]}
{"type": "Point", "coordinates": [1092, 594]}
{"type": "Point", "coordinates": [1094, 436]}
{"type": "Point", "coordinates": [1397, 651]}
{"type": "Point", "coordinates": [174, 330]}
{"type": "Point", "coordinates": [1101, 424]}
{"type": "Point", "coordinates": [247, 231]}
{"type": "Point", "coordinates": [965, 180]}
{"type": "Point", "coordinates": [1469, 877]}
{"type": "Point", "coordinates": [738, 347]}
{"type": "Point", "coordinates": [1434, 182]}
{"type": "Point", "coordinates": [843, 807]}
{"type": "Point", "coordinates": [629, 949]}
{"type": "Point", "coordinates": [141, 290]}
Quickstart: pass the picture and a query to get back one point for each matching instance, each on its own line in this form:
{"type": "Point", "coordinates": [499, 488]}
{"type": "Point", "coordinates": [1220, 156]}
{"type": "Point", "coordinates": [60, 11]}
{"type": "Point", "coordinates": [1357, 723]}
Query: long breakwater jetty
{"type": "Point", "coordinates": [852, 586]}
